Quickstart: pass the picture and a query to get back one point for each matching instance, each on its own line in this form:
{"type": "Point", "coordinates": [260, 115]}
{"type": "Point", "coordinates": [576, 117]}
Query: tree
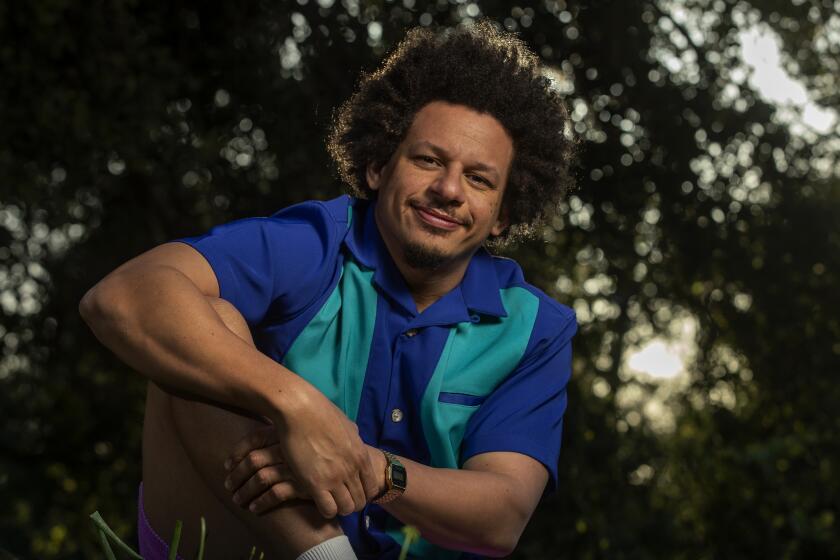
{"type": "Point", "coordinates": [136, 123]}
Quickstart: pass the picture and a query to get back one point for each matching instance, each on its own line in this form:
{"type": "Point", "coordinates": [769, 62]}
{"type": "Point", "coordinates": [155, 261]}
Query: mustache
{"type": "Point", "coordinates": [439, 208]}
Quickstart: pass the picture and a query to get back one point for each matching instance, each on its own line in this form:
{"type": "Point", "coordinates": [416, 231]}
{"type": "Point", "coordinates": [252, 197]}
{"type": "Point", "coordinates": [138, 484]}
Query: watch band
{"type": "Point", "coordinates": [395, 479]}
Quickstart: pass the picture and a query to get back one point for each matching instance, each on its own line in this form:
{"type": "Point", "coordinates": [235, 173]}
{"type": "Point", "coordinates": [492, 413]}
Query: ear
{"type": "Point", "coordinates": [502, 222]}
{"type": "Point", "coordinates": [374, 175]}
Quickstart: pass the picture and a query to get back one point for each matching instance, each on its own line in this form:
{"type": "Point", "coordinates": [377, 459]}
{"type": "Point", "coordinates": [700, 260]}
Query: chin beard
{"type": "Point", "coordinates": [423, 258]}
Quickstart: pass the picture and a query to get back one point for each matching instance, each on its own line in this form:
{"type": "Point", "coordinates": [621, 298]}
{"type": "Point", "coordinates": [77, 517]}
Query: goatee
{"type": "Point", "coordinates": [422, 257]}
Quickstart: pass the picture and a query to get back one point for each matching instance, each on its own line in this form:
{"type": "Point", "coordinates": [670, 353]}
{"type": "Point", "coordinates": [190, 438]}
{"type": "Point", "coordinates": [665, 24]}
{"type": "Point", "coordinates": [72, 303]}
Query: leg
{"type": "Point", "coordinates": [184, 477]}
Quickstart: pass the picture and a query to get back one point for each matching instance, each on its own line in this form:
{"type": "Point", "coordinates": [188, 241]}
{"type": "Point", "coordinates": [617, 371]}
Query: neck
{"type": "Point", "coordinates": [426, 285]}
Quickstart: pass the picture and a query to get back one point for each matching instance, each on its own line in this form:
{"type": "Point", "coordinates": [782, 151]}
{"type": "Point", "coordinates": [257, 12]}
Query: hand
{"type": "Point", "coordinates": [323, 452]}
{"type": "Point", "coordinates": [260, 479]}
{"type": "Point", "coordinates": [258, 475]}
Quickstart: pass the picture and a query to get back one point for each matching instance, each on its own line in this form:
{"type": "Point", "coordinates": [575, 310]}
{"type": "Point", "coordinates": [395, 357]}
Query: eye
{"type": "Point", "coordinates": [429, 160]}
{"type": "Point", "coordinates": [479, 179]}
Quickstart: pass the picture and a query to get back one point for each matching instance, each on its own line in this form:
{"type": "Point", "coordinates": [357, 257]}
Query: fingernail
{"type": "Point", "coordinates": [228, 464]}
{"type": "Point", "coordinates": [236, 499]}
{"type": "Point", "coordinates": [252, 507]}
{"type": "Point", "coordinates": [228, 484]}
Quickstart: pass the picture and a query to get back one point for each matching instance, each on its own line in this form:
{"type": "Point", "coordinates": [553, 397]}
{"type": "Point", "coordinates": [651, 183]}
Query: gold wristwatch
{"type": "Point", "coordinates": [395, 480]}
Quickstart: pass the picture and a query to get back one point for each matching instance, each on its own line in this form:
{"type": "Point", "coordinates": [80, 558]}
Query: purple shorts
{"type": "Point", "coordinates": [152, 547]}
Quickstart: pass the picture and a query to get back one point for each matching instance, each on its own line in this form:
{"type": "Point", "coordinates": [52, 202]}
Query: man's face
{"type": "Point", "coordinates": [440, 194]}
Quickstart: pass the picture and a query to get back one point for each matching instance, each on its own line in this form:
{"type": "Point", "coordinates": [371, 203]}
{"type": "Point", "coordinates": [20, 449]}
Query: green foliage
{"type": "Point", "coordinates": [131, 124]}
{"type": "Point", "coordinates": [105, 533]}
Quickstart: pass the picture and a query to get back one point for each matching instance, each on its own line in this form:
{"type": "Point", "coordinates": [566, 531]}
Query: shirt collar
{"type": "Point", "coordinates": [477, 293]}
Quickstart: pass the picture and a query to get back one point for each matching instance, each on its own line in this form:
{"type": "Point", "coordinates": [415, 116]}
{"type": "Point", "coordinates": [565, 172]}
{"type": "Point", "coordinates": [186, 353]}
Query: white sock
{"type": "Point", "coordinates": [336, 548]}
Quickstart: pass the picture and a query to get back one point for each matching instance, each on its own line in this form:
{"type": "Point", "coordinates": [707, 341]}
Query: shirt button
{"type": "Point", "coordinates": [397, 415]}
{"type": "Point", "coordinates": [411, 332]}
{"type": "Point", "coordinates": [367, 521]}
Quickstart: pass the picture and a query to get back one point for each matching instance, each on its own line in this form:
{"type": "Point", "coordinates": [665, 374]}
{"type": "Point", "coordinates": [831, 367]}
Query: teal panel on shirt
{"type": "Point", "coordinates": [332, 350]}
{"type": "Point", "coordinates": [476, 359]}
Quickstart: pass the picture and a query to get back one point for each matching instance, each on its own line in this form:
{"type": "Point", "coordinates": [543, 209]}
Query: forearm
{"type": "Point", "coordinates": [162, 326]}
{"type": "Point", "coordinates": [460, 509]}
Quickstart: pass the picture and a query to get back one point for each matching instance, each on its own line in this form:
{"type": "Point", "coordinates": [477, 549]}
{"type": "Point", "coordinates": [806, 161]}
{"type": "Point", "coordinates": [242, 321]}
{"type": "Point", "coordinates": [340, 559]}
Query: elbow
{"type": "Point", "coordinates": [99, 302]}
{"type": "Point", "coordinates": [88, 305]}
{"type": "Point", "coordinates": [500, 541]}
{"type": "Point", "coordinates": [506, 538]}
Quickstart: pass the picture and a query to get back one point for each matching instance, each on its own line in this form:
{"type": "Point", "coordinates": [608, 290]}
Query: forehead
{"type": "Point", "coordinates": [463, 133]}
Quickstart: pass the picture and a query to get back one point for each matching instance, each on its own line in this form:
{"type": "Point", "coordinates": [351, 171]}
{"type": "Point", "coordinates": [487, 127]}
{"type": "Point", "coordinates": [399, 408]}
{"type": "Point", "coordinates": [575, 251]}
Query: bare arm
{"type": "Point", "coordinates": [152, 312]}
{"type": "Point", "coordinates": [156, 320]}
{"type": "Point", "coordinates": [481, 508]}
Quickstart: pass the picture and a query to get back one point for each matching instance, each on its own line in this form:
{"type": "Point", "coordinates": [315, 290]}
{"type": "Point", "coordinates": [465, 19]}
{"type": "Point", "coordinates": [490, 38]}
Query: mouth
{"type": "Point", "coordinates": [435, 218]}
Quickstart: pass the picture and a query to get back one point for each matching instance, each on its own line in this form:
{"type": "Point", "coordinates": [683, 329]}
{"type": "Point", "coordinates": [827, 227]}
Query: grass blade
{"type": "Point", "coordinates": [176, 540]}
{"type": "Point", "coordinates": [411, 534]}
{"type": "Point", "coordinates": [203, 536]}
{"type": "Point", "coordinates": [106, 547]}
{"type": "Point", "coordinates": [103, 527]}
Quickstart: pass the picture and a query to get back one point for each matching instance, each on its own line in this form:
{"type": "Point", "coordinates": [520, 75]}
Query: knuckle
{"type": "Point", "coordinates": [362, 457]}
{"type": "Point", "coordinates": [252, 460]}
{"type": "Point", "coordinates": [263, 477]}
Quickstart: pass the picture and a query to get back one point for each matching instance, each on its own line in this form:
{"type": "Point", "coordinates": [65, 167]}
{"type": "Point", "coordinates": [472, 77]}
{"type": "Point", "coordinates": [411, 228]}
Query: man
{"type": "Point", "coordinates": [380, 324]}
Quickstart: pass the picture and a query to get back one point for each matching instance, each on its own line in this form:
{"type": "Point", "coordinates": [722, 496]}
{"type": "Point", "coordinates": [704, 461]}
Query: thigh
{"type": "Point", "coordinates": [174, 489]}
{"type": "Point", "coordinates": [197, 438]}
{"type": "Point", "coordinates": [207, 435]}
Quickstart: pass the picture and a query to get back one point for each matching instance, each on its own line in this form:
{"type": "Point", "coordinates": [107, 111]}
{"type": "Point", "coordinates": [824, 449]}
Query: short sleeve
{"type": "Point", "coordinates": [525, 412]}
{"type": "Point", "coordinates": [281, 262]}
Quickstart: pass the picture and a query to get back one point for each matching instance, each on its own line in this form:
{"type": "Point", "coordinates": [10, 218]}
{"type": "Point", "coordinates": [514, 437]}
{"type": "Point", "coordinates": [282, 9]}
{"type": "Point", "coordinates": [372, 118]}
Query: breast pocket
{"type": "Point", "coordinates": [461, 398]}
{"type": "Point", "coordinates": [453, 413]}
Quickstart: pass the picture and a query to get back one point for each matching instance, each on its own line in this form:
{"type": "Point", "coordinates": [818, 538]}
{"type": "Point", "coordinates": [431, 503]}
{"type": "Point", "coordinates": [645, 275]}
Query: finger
{"type": "Point", "coordinates": [370, 479]}
{"type": "Point", "coordinates": [343, 500]}
{"type": "Point", "coordinates": [255, 439]}
{"type": "Point", "coordinates": [357, 493]}
{"type": "Point", "coordinates": [325, 503]}
{"type": "Point", "coordinates": [274, 497]}
{"type": "Point", "coordinates": [262, 480]}
{"type": "Point", "coordinates": [251, 463]}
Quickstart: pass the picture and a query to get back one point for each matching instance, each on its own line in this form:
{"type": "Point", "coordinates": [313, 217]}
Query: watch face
{"type": "Point", "coordinates": [398, 476]}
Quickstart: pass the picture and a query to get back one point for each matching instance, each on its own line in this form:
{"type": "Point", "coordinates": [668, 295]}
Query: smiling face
{"type": "Point", "coordinates": [440, 195]}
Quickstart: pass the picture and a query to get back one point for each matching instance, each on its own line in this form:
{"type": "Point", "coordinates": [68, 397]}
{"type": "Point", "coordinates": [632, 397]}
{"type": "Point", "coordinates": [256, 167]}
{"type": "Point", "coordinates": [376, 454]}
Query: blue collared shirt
{"type": "Point", "coordinates": [482, 369]}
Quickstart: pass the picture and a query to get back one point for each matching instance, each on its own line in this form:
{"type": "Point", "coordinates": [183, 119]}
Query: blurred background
{"type": "Point", "coordinates": [700, 251]}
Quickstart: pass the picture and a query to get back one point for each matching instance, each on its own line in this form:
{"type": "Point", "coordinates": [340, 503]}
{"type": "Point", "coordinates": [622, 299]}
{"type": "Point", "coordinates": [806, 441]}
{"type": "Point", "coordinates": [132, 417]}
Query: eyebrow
{"type": "Point", "coordinates": [478, 166]}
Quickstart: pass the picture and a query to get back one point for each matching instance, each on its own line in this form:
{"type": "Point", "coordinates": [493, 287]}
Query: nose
{"type": "Point", "coordinates": [448, 185]}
